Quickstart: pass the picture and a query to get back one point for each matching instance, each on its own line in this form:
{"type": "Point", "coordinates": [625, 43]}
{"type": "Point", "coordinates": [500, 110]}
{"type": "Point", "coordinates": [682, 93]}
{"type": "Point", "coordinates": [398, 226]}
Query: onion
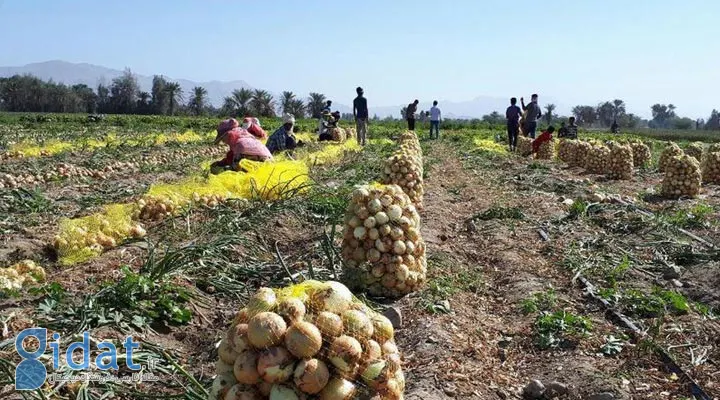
{"type": "Point", "coordinates": [266, 329]}
{"type": "Point", "coordinates": [292, 309]}
{"type": "Point", "coordinates": [359, 194]}
{"type": "Point", "coordinates": [360, 232]}
{"type": "Point", "coordinates": [394, 212]}
{"type": "Point", "coordinates": [370, 222]}
{"type": "Point", "coordinates": [399, 247]}
{"type": "Point", "coordinates": [375, 205]}
{"type": "Point", "coordinates": [221, 367]}
{"type": "Point", "coordinates": [264, 388]}
{"type": "Point", "coordinates": [386, 200]}
{"type": "Point", "coordinates": [385, 230]}
{"type": "Point", "coordinates": [335, 297]}
{"type": "Point", "coordinates": [242, 316]}
{"type": "Point", "coordinates": [237, 337]}
{"type": "Point", "coordinates": [374, 373]}
{"type": "Point", "coordinates": [221, 385]}
{"type": "Point", "coordinates": [373, 234]}
{"type": "Point", "coordinates": [240, 392]}
{"type": "Point", "coordinates": [345, 351]}
{"type": "Point", "coordinates": [282, 392]}
{"type": "Point", "coordinates": [396, 233]}
{"type": "Point", "coordinates": [338, 389]}
{"type": "Point", "coordinates": [226, 352]}
{"type": "Point", "coordinates": [383, 330]}
{"type": "Point", "coordinates": [362, 213]}
{"type": "Point", "coordinates": [381, 218]}
{"type": "Point", "coordinates": [275, 365]}
{"type": "Point", "coordinates": [311, 376]}
{"type": "Point", "coordinates": [389, 347]}
{"type": "Point", "coordinates": [357, 324]}
{"type": "Point", "coordinates": [373, 255]}
{"type": "Point", "coordinates": [329, 324]}
{"type": "Point", "coordinates": [263, 300]}
{"type": "Point", "coordinates": [303, 339]}
{"type": "Point", "coordinates": [354, 222]}
{"type": "Point", "coordinates": [245, 368]}
{"type": "Point", "coordinates": [371, 350]}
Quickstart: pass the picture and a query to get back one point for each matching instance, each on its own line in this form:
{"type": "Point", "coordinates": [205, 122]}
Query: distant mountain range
{"type": "Point", "coordinates": [92, 75]}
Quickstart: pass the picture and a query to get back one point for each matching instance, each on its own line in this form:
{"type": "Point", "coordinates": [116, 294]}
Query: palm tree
{"type": "Point", "coordinates": [315, 104]}
{"type": "Point", "coordinates": [174, 94]}
{"type": "Point", "coordinates": [197, 101]}
{"type": "Point", "coordinates": [237, 104]}
{"type": "Point", "coordinates": [618, 108]}
{"type": "Point", "coordinates": [286, 102]}
{"type": "Point", "coordinates": [144, 102]}
{"type": "Point", "coordinates": [549, 112]}
{"type": "Point", "coordinates": [262, 104]}
{"type": "Point", "coordinates": [296, 108]}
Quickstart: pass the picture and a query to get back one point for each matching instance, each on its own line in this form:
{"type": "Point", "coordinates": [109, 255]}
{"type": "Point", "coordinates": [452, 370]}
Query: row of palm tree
{"type": "Point", "coordinates": [260, 103]}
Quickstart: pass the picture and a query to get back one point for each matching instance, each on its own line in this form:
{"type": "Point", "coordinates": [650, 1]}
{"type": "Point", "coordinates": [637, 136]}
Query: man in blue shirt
{"type": "Point", "coordinates": [283, 138]}
{"type": "Point", "coordinates": [513, 114]}
{"type": "Point", "coordinates": [360, 112]}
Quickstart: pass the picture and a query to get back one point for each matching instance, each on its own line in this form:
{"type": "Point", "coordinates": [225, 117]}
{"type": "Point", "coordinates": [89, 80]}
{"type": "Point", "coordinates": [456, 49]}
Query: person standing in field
{"type": "Point", "coordinates": [360, 112]}
{"type": "Point", "coordinates": [568, 131]}
{"type": "Point", "coordinates": [513, 114]}
{"type": "Point", "coordinates": [533, 114]}
{"type": "Point", "coordinates": [435, 118]}
{"type": "Point", "coordinates": [410, 114]}
{"type": "Point", "coordinates": [328, 106]}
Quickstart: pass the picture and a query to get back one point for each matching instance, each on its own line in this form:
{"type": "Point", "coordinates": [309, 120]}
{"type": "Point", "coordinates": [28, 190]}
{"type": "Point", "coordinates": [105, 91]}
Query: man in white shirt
{"type": "Point", "coordinates": [435, 118]}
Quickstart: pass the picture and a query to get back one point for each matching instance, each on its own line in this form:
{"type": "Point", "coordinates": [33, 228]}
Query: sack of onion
{"type": "Point", "coordinates": [621, 161]}
{"type": "Point", "coordinates": [641, 154]}
{"type": "Point", "coordinates": [597, 158]}
{"type": "Point", "coordinates": [682, 177]}
{"type": "Point", "coordinates": [338, 134]}
{"type": "Point", "coordinates": [309, 340]}
{"type": "Point", "coordinates": [383, 251]}
{"type": "Point", "coordinates": [695, 149]}
{"type": "Point", "coordinates": [671, 150]}
{"type": "Point", "coordinates": [524, 146]}
{"type": "Point", "coordinates": [21, 274]}
{"type": "Point", "coordinates": [404, 169]}
{"type": "Point", "coordinates": [711, 167]}
{"type": "Point", "coordinates": [546, 151]}
{"type": "Point", "coordinates": [567, 150]}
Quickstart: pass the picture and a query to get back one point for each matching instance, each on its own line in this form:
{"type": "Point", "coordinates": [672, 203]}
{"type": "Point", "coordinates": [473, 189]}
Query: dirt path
{"type": "Point", "coordinates": [483, 348]}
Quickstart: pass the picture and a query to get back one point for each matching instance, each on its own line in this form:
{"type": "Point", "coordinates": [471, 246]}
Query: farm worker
{"type": "Point", "coordinates": [614, 127]}
{"type": "Point", "coordinates": [410, 114]}
{"type": "Point", "coordinates": [252, 125]}
{"type": "Point", "coordinates": [544, 137]}
{"type": "Point", "coordinates": [513, 115]}
{"type": "Point", "coordinates": [435, 118]}
{"type": "Point", "coordinates": [360, 112]}
{"type": "Point", "coordinates": [533, 114]}
{"type": "Point", "coordinates": [284, 138]}
{"type": "Point", "coordinates": [325, 126]}
{"type": "Point", "coordinates": [328, 105]}
{"type": "Point", "coordinates": [568, 131]}
{"type": "Point", "coordinates": [242, 144]}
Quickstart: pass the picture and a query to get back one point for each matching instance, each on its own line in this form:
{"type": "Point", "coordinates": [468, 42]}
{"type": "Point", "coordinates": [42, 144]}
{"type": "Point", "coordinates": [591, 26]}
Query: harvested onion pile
{"type": "Point", "coordinates": [546, 151]}
{"type": "Point", "coordinates": [350, 133]}
{"type": "Point", "coordinates": [405, 168]}
{"type": "Point", "coordinates": [597, 158]}
{"type": "Point", "coordinates": [641, 154]}
{"type": "Point", "coordinates": [682, 177]}
{"type": "Point", "coordinates": [310, 340]}
{"type": "Point", "coordinates": [567, 151]}
{"type": "Point", "coordinates": [711, 167]}
{"type": "Point", "coordinates": [581, 154]}
{"type": "Point", "coordinates": [695, 149]}
{"type": "Point", "coordinates": [24, 273]}
{"type": "Point", "coordinates": [670, 151]}
{"type": "Point", "coordinates": [382, 248]}
{"type": "Point", "coordinates": [338, 134]}
{"type": "Point", "coordinates": [524, 146]}
{"type": "Point", "coordinates": [621, 161]}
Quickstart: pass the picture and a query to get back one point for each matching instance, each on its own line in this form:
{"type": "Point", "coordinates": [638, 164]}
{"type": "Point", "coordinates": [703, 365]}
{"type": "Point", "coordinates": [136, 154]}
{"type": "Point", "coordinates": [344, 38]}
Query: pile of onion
{"type": "Point", "coordinates": [581, 154]}
{"type": "Point", "coordinates": [695, 149]}
{"type": "Point", "coordinates": [597, 158]}
{"type": "Point", "coordinates": [711, 167]}
{"type": "Point", "coordinates": [151, 208]}
{"type": "Point", "coordinates": [338, 134]}
{"type": "Point", "coordinates": [621, 161]}
{"type": "Point", "coordinates": [310, 340]}
{"type": "Point", "coordinates": [524, 146]}
{"type": "Point", "coordinates": [682, 177]}
{"type": "Point", "coordinates": [21, 274]}
{"type": "Point", "coordinates": [404, 169]}
{"type": "Point", "coordinates": [546, 151]}
{"type": "Point", "coordinates": [670, 151]}
{"type": "Point", "coordinates": [350, 133]}
{"type": "Point", "coordinates": [567, 151]}
{"type": "Point", "coordinates": [383, 251]}
{"type": "Point", "coordinates": [641, 154]}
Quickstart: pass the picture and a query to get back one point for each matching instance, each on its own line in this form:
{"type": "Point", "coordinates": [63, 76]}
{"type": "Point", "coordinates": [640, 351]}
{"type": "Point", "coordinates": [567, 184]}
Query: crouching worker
{"type": "Point", "coordinates": [284, 138]}
{"type": "Point", "coordinates": [242, 144]}
{"type": "Point", "coordinates": [252, 125]}
{"type": "Point", "coordinates": [544, 137]}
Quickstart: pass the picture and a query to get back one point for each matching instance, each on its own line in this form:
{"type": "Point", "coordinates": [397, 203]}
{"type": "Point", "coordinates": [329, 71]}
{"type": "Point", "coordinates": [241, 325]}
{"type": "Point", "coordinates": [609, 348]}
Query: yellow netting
{"type": "Point", "coordinates": [311, 338]}
{"type": "Point", "coordinates": [490, 146]}
{"type": "Point", "coordinates": [27, 149]}
{"type": "Point", "coordinates": [24, 273]}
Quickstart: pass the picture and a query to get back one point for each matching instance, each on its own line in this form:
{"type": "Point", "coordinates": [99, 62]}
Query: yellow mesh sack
{"type": "Point", "coordinates": [309, 339]}
{"type": "Point", "coordinates": [21, 274]}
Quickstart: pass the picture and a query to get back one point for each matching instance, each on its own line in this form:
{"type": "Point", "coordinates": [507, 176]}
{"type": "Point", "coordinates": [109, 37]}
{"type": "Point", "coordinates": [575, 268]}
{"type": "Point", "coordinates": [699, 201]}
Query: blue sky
{"type": "Point", "coordinates": [576, 52]}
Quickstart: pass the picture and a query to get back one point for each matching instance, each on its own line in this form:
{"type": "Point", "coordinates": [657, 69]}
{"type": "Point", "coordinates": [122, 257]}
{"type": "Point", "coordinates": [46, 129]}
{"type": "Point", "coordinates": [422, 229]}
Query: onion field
{"type": "Point", "coordinates": [406, 269]}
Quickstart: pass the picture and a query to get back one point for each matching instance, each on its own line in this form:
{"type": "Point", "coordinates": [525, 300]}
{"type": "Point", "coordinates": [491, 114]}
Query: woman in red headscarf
{"type": "Point", "coordinates": [242, 144]}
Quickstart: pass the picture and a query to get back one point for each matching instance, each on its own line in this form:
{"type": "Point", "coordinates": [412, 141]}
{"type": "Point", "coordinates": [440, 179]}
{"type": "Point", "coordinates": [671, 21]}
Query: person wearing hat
{"type": "Point", "coordinates": [242, 144]}
{"type": "Point", "coordinates": [328, 106]}
{"type": "Point", "coordinates": [324, 127]}
{"type": "Point", "coordinates": [360, 112]}
{"type": "Point", "coordinates": [284, 138]}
